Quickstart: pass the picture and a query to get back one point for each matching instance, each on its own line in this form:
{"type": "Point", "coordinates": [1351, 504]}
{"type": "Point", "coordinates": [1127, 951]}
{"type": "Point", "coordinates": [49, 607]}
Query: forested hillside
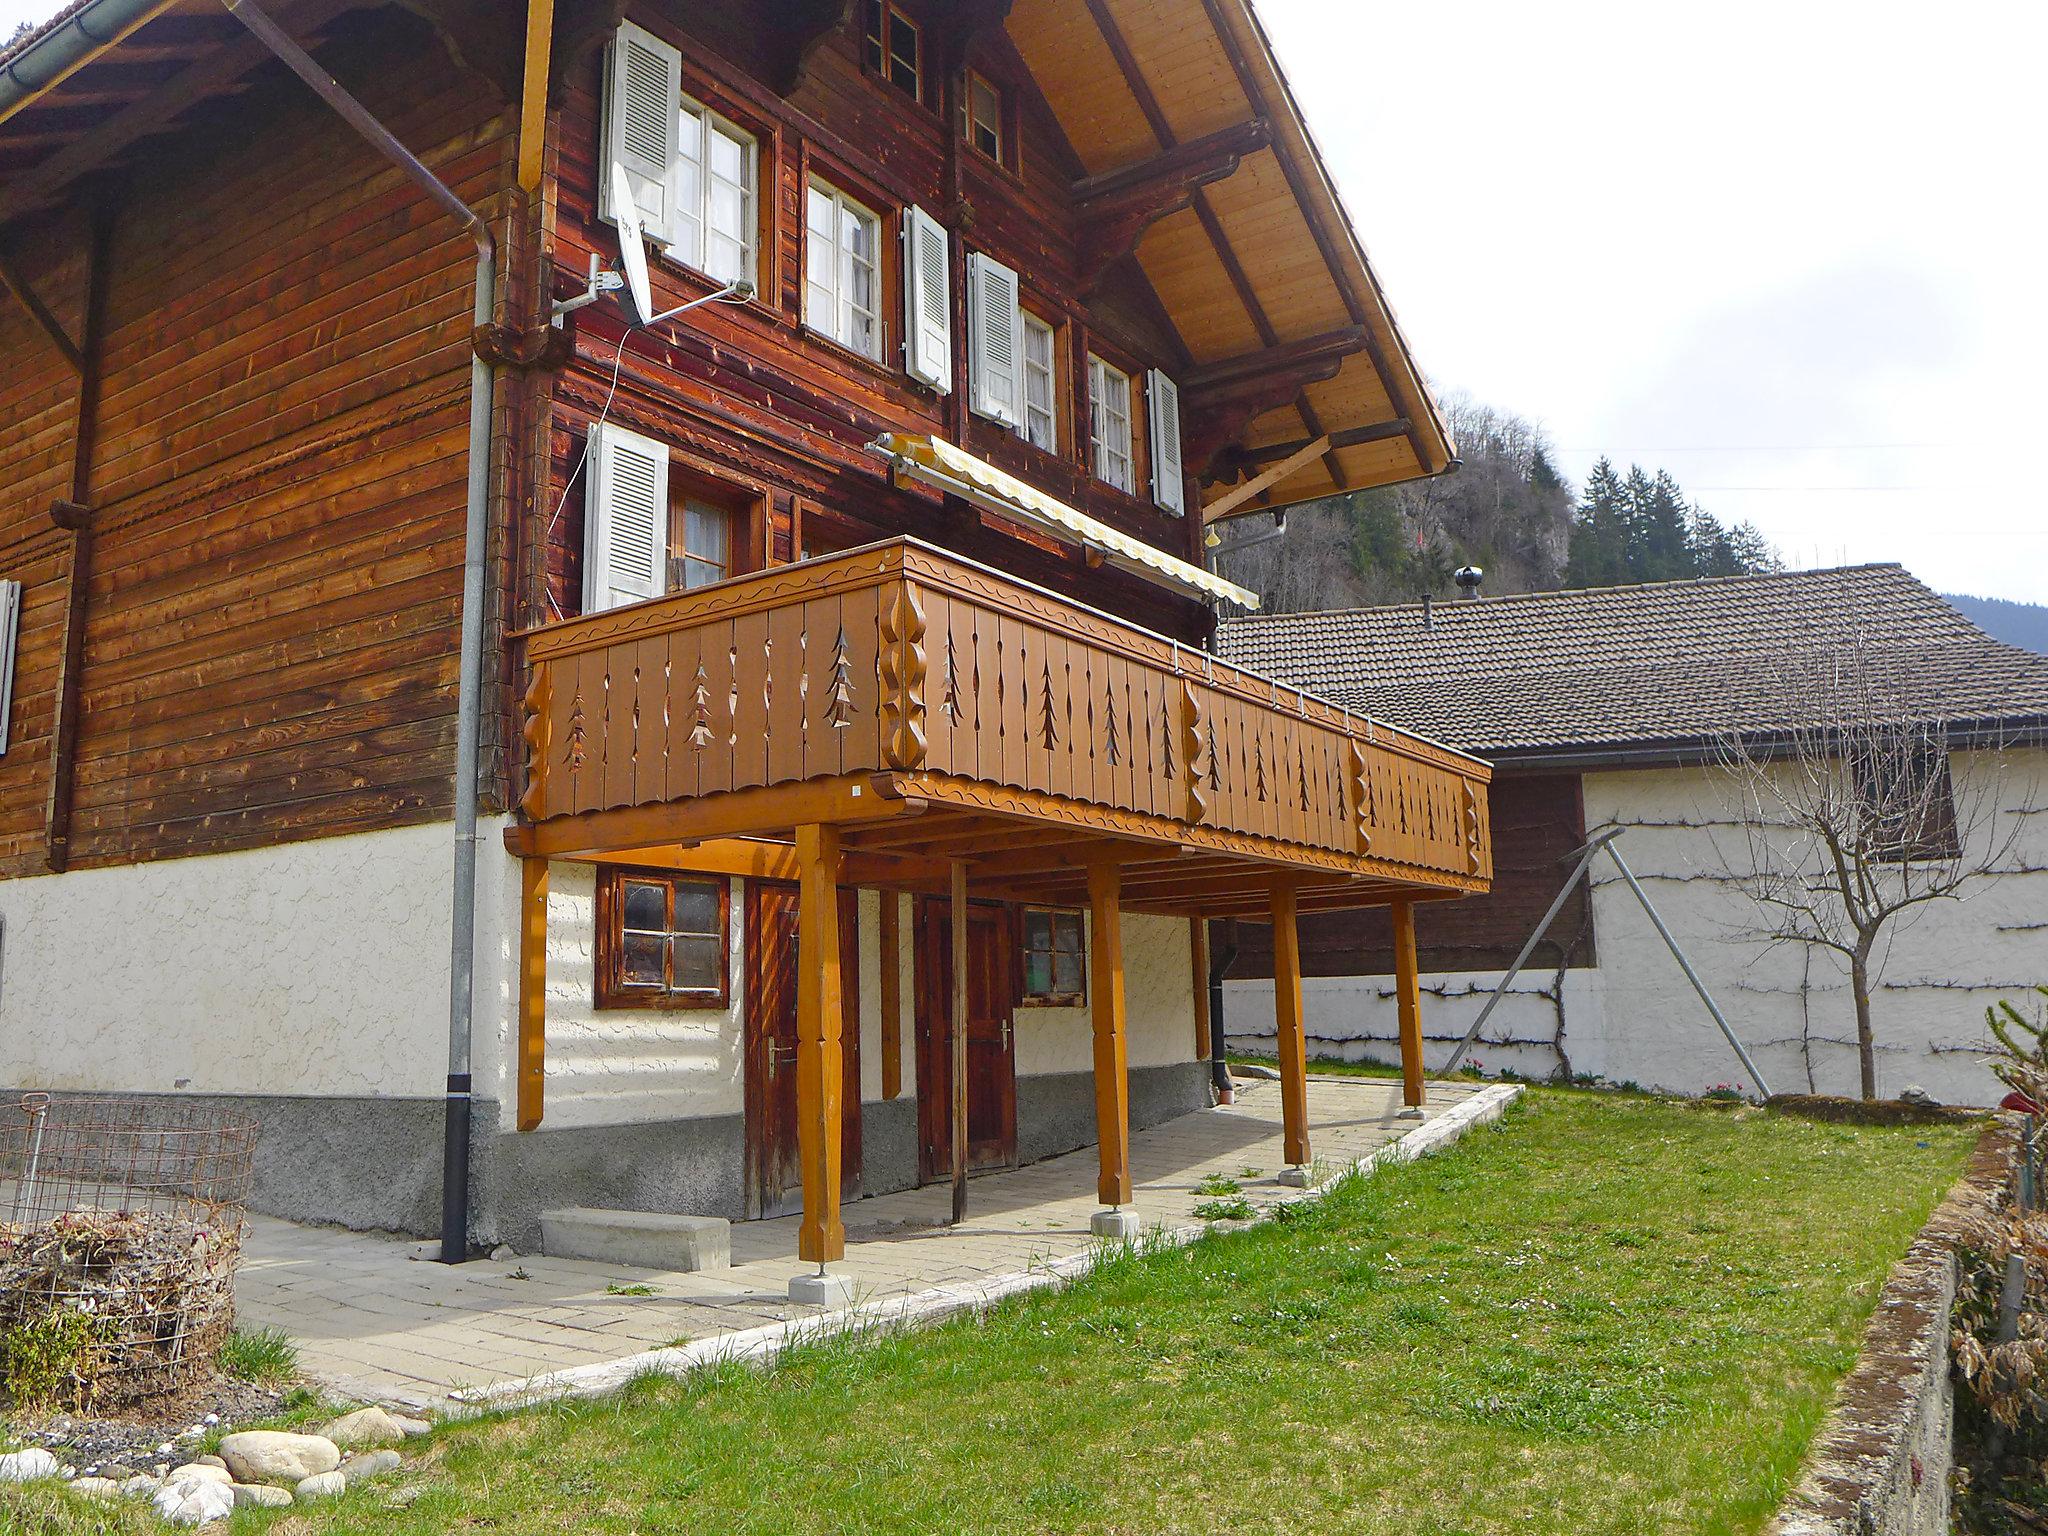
{"type": "Point", "coordinates": [1507, 510]}
{"type": "Point", "coordinates": [2022, 624]}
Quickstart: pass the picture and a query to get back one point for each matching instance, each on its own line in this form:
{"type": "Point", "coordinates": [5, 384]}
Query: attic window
{"type": "Point", "coordinates": [984, 118]}
{"type": "Point", "coordinates": [894, 48]}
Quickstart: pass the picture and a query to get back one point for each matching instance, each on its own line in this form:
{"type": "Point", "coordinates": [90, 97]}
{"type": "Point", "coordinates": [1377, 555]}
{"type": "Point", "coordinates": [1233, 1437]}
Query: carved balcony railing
{"type": "Point", "coordinates": [899, 659]}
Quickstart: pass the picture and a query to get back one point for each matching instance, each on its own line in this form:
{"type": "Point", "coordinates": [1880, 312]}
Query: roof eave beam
{"type": "Point", "coordinates": [1115, 208]}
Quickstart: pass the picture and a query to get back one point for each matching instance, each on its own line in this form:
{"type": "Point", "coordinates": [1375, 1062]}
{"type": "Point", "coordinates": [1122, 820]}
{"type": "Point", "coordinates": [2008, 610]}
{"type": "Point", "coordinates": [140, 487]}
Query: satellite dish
{"type": "Point", "coordinates": [632, 244]}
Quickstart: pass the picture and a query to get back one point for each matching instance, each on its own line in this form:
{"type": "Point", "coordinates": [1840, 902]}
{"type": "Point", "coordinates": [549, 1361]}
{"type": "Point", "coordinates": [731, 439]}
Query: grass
{"type": "Point", "coordinates": [1610, 1315]}
{"type": "Point", "coordinates": [266, 1357]}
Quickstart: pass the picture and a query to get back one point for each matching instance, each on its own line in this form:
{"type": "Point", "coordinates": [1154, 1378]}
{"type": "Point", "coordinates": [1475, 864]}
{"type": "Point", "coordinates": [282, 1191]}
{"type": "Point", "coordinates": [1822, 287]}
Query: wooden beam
{"type": "Point", "coordinates": [820, 1062]}
{"type": "Point", "coordinates": [793, 30]}
{"type": "Point", "coordinates": [1198, 954]}
{"type": "Point", "coordinates": [533, 992]}
{"type": "Point", "coordinates": [961, 997]}
{"type": "Point", "coordinates": [1309, 354]}
{"type": "Point", "coordinates": [737, 813]}
{"type": "Point", "coordinates": [1408, 1002]}
{"type": "Point", "coordinates": [1114, 209]}
{"type": "Point", "coordinates": [533, 99]}
{"type": "Point", "coordinates": [1350, 437]}
{"type": "Point", "coordinates": [1106, 1010]}
{"type": "Point", "coordinates": [890, 942]}
{"type": "Point", "coordinates": [1230, 501]}
{"type": "Point", "coordinates": [16, 285]}
{"type": "Point", "coordinates": [101, 50]}
{"type": "Point", "coordinates": [1288, 1025]}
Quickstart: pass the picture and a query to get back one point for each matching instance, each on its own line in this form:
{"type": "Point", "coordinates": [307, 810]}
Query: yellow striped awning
{"type": "Point", "coordinates": [936, 462]}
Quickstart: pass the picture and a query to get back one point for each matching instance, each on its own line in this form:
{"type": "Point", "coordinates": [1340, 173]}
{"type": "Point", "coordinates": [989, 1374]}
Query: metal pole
{"type": "Point", "coordinates": [1220, 960]}
{"type": "Point", "coordinates": [1762, 1088]}
{"type": "Point", "coordinates": [1542, 927]}
{"type": "Point", "coordinates": [469, 684]}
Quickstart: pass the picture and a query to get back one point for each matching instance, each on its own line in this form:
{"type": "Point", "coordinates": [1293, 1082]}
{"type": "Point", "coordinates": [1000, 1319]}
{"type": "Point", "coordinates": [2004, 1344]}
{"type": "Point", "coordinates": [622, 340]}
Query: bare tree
{"type": "Point", "coordinates": [1852, 819]}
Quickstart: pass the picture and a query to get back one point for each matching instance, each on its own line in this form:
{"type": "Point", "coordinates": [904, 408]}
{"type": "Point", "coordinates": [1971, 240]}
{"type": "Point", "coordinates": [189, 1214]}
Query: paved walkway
{"type": "Point", "coordinates": [378, 1325]}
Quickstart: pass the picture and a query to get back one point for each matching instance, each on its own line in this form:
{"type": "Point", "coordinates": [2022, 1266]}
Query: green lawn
{"type": "Point", "coordinates": [1608, 1314]}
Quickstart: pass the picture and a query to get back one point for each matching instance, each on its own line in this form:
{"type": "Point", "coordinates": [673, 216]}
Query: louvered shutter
{"type": "Point", "coordinates": [1162, 404]}
{"type": "Point", "coordinates": [927, 302]}
{"type": "Point", "coordinates": [994, 345]}
{"type": "Point", "coordinates": [10, 630]}
{"type": "Point", "coordinates": [625, 526]}
{"type": "Point", "coordinates": [643, 102]}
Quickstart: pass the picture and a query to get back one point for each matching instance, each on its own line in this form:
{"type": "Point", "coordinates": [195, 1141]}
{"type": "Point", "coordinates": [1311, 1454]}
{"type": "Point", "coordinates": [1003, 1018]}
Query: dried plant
{"type": "Point", "coordinates": [1852, 819]}
{"type": "Point", "coordinates": [2008, 1376]}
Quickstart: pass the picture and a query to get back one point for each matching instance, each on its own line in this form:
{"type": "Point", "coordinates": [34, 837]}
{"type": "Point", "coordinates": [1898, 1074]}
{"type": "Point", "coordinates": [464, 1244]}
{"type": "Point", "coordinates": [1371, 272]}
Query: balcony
{"type": "Point", "coordinates": [935, 710]}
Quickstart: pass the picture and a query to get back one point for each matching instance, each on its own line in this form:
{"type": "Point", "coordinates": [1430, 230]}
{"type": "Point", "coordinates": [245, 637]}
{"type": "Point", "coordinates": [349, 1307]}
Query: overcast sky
{"type": "Point", "coordinates": [1792, 251]}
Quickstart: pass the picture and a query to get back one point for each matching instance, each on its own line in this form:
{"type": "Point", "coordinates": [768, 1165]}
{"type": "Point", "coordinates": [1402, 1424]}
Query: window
{"type": "Point", "coordinates": [1109, 418]}
{"type": "Point", "coordinates": [1905, 797]}
{"type": "Point", "coordinates": [894, 48]}
{"type": "Point", "coordinates": [10, 634]}
{"type": "Point", "coordinates": [714, 179]}
{"type": "Point", "coordinates": [1055, 973]}
{"type": "Point", "coordinates": [1039, 426]}
{"type": "Point", "coordinates": [699, 544]}
{"type": "Point", "coordinates": [842, 274]}
{"type": "Point", "coordinates": [661, 940]}
{"type": "Point", "coordinates": [984, 106]}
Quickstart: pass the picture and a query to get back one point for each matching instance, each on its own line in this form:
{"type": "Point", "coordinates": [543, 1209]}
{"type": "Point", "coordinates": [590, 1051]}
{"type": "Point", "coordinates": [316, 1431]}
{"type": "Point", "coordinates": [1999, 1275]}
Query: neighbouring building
{"type": "Point", "coordinates": [878, 573]}
{"type": "Point", "coordinates": [1612, 708]}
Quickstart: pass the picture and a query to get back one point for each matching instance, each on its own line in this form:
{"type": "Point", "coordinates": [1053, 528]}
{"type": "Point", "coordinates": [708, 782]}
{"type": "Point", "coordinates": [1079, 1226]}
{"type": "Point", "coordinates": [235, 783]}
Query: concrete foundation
{"type": "Point", "coordinates": [1118, 1226]}
{"type": "Point", "coordinates": [821, 1290]}
{"type": "Point", "coordinates": [640, 1239]}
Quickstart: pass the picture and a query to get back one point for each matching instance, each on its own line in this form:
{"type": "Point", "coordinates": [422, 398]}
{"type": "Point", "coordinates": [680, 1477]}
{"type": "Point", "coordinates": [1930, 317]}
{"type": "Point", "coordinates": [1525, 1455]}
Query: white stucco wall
{"type": "Point", "coordinates": [317, 967]}
{"type": "Point", "coordinates": [1792, 1006]}
{"type": "Point", "coordinates": [1159, 1017]}
{"type": "Point", "coordinates": [1636, 1019]}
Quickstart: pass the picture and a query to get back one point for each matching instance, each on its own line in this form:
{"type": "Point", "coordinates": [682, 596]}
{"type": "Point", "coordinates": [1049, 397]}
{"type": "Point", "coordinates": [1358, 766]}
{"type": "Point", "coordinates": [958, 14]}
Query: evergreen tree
{"type": "Point", "coordinates": [1666, 552]}
{"type": "Point", "coordinates": [1599, 535]}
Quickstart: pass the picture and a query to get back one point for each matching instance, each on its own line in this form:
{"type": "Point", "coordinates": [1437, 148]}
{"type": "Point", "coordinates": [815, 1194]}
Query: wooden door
{"type": "Point", "coordinates": [991, 1050]}
{"type": "Point", "coordinates": [774, 1170]}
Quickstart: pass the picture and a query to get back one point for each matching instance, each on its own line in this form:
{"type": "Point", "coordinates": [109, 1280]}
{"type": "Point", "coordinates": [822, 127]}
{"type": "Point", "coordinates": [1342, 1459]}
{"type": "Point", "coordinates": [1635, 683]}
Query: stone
{"type": "Point", "coordinates": [364, 1468]}
{"type": "Point", "coordinates": [97, 1487]}
{"type": "Point", "coordinates": [199, 1472]}
{"type": "Point", "coordinates": [272, 1456]}
{"type": "Point", "coordinates": [209, 1461]}
{"type": "Point", "coordinates": [1293, 1178]}
{"type": "Point", "coordinates": [816, 1290]}
{"type": "Point", "coordinates": [638, 1239]}
{"type": "Point", "coordinates": [404, 1498]}
{"type": "Point", "coordinates": [1918, 1095]}
{"type": "Point", "coordinates": [119, 1471]}
{"type": "Point", "coordinates": [261, 1496]}
{"type": "Point", "coordinates": [327, 1485]}
{"type": "Point", "coordinates": [1118, 1226]}
{"type": "Point", "coordinates": [1411, 1112]}
{"type": "Point", "coordinates": [504, 1253]}
{"type": "Point", "coordinates": [28, 1467]}
{"type": "Point", "coordinates": [414, 1428]}
{"type": "Point", "coordinates": [141, 1485]}
{"type": "Point", "coordinates": [193, 1501]}
{"type": "Point", "coordinates": [365, 1429]}
{"type": "Point", "coordinates": [1253, 1070]}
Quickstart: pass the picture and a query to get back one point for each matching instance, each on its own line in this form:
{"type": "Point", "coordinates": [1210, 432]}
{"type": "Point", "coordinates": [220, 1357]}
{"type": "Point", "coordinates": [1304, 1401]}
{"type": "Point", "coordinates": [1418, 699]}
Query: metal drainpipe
{"type": "Point", "coordinates": [469, 688]}
{"type": "Point", "coordinates": [1220, 958]}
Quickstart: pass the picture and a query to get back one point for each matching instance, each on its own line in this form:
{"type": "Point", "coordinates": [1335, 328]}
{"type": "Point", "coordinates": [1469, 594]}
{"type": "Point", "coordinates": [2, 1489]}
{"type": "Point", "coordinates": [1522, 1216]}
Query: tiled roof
{"type": "Point", "coordinates": [1620, 667]}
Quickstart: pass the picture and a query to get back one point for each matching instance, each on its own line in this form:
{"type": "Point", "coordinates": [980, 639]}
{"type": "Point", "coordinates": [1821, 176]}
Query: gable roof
{"type": "Point", "coordinates": [1637, 670]}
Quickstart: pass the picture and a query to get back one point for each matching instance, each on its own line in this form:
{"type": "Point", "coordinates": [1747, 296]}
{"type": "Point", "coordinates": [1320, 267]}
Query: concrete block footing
{"type": "Point", "coordinates": [1411, 1112]}
{"type": "Point", "coordinates": [821, 1290]}
{"type": "Point", "coordinates": [641, 1239]}
{"type": "Point", "coordinates": [1293, 1178]}
{"type": "Point", "coordinates": [1118, 1226]}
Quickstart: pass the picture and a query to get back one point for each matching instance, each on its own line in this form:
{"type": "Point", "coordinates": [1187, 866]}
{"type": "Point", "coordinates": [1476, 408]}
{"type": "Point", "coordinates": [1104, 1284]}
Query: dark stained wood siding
{"type": "Point", "coordinates": [1538, 822]}
{"type": "Point", "coordinates": [270, 648]}
{"type": "Point", "coordinates": [747, 396]}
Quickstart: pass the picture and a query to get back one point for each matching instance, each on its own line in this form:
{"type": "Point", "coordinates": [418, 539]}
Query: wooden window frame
{"type": "Point", "coordinates": [815, 180]}
{"type": "Point", "coordinates": [1133, 410]}
{"type": "Point", "coordinates": [1026, 998]}
{"type": "Point", "coordinates": [881, 70]}
{"type": "Point", "coordinates": [611, 991]}
{"type": "Point", "coordinates": [759, 232]}
{"type": "Point", "coordinates": [1005, 138]}
{"type": "Point", "coordinates": [1028, 317]}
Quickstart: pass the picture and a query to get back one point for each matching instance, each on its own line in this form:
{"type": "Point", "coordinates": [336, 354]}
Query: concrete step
{"type": "Point", "coordinates": [641, 1239]}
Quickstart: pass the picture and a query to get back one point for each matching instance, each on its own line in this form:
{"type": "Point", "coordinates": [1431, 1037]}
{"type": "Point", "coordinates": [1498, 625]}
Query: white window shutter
{"type": "Point", "coordinates": [10, 632]}
{"type": "Point", "coordinates": [994, 340]}
{"type": "Point", "coordinates": [927, 301]}
{"type": "Point", "coordinates": [1162, 402]}
{"type": "Point", "coordinates": [643, 101]}
{"type": "Point", "coordinates": [625, 524]}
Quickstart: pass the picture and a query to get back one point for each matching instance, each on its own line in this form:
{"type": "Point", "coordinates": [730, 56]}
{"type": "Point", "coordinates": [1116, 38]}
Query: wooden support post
{"type": "Point", "coordinates": [533, 106]}
{"type": "Point", "coordinates": [1106, 1003]}
{"type": "Point", "coordinates": [1408, 1000]}
{"type": "Point", "coordinates": [959, 1041]}
{"type": "Point", "coordinates": [533, 992]}
{"type": "Point", "coordinates": [820, 1065]}
{"type": "Point", "coordinates": [889, 940]}
{"type": "Point", "coordinates": [1198, 953]}
{"type": "Point", "coordinates": [1287, 1017]}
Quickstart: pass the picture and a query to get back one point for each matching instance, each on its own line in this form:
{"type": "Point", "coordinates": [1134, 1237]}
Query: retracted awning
{"type": "Point", "coordinates": [938, 463]}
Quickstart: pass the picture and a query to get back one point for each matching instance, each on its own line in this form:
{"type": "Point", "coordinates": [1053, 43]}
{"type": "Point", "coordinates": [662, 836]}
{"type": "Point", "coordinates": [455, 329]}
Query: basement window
{"type": "Point", "coordinates": [661, 940]}
{"type": "Point", "coordinates": [1055, 964]}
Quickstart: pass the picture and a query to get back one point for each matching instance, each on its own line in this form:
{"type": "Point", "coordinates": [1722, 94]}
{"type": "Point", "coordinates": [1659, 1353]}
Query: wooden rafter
{"type": "Point", "coordinates": [794, 29]}
{"type": "Point", "coordinates": [1115, 208]}
{"type": "Point", "coordinates": [12, 280]}
{"type": "Point", "coordinates": [1231, 502]}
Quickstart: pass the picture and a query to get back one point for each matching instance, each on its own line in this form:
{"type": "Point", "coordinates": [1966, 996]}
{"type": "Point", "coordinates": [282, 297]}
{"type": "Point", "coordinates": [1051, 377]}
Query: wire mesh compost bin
{"type": "Point", "coordinates": [120, 1232]}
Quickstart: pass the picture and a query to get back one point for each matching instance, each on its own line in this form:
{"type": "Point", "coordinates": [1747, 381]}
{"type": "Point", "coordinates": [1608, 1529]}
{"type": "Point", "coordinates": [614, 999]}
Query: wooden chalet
{"type": "Point", "coordinates": [868, 592]}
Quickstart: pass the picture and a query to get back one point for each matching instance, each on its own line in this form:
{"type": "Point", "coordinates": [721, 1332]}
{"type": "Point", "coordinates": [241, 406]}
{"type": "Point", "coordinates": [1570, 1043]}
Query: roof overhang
{"type": "Point", "coordinates": [935, 462]}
